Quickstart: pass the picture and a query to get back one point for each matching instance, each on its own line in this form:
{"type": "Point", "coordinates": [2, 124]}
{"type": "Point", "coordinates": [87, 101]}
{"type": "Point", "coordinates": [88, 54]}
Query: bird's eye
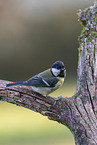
{"type": "Point", "coordinates": [58, 67]}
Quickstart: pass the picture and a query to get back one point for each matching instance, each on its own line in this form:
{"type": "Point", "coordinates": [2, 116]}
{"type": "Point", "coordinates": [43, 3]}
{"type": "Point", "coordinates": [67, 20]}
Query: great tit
{"type": "Point", "coordinates": [47, 81]}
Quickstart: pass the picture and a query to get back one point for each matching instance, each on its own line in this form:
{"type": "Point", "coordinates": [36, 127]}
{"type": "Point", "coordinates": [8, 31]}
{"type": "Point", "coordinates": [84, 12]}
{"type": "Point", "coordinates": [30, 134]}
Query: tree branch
{"type": "Point", "coordinates": [79, 112]}
{"type": "Point", "coordinates": [25, 97]}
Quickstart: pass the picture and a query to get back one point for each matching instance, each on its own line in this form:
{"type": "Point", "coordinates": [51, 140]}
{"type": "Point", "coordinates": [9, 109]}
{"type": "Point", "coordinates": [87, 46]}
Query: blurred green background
{"type": "Point", "coordinates": [33, 35]}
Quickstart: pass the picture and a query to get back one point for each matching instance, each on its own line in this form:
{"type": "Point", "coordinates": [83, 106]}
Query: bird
{"type": "Point", "coordinates": [47, 81]}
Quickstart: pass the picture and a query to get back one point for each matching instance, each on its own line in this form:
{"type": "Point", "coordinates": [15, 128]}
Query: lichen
{"type": "Point", "coordinates": [88, 36]}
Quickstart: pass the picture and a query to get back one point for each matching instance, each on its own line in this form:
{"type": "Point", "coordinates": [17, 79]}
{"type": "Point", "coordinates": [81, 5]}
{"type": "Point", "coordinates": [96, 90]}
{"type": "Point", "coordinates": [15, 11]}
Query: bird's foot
{"type": "Point", "coordinates": [56, 99]}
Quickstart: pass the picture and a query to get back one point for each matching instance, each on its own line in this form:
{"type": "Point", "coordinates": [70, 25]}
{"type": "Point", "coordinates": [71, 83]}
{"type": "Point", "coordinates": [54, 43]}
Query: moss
{"type": "Point", "coordinates": [88, 36]}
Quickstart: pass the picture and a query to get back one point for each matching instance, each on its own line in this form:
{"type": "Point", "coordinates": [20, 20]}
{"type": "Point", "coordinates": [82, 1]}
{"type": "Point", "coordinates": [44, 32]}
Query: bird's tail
{"type": "Point", "coordinates": [15, 84]}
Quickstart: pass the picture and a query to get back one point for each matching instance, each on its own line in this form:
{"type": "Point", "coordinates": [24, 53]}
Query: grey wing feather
{"type": "Point", "coordinates": [38, 81]}
{"type": "Point", "coordinates": [52, 81]}
{"type": "Point", "coordinates": [35, 81]}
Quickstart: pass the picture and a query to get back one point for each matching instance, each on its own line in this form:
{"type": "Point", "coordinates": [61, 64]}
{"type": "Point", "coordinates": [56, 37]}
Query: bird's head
{"type": "Point", "coordinates": [58, 69]}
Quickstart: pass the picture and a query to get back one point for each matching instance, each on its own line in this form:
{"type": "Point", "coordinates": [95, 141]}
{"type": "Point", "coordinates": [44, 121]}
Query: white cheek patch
{"type": "Point", "coordinates": [55, 71]}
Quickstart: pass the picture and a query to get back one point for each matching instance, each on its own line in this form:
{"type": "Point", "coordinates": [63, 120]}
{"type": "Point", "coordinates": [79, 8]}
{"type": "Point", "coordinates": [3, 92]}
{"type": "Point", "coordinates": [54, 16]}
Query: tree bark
{"type": "Point", "coordinates": [79, 112]}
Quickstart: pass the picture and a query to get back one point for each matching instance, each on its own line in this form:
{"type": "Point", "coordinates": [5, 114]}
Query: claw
{"type": "Point", "coordinates": [56, 99]}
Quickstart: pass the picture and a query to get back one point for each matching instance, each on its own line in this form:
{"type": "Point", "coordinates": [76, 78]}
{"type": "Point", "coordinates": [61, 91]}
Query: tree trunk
{"type": "Point", "coordinates": [79, 112]}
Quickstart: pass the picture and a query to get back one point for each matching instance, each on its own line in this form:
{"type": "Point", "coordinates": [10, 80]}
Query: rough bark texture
{"type": "Point", "coordinates": [79, 112]}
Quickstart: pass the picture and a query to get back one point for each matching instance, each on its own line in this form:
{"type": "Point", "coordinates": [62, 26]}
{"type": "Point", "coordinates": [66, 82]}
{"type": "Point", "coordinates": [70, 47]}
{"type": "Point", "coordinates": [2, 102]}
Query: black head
{"type": "Point", "coordinates": [58, 69]}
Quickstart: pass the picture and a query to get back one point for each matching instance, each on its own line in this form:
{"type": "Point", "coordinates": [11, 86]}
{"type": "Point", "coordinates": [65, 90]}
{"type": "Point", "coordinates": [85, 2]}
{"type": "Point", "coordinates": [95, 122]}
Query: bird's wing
{"type": "Point", "coordinates": [38, 81]}
{"type": "Point", "coordinates": [52, 81]}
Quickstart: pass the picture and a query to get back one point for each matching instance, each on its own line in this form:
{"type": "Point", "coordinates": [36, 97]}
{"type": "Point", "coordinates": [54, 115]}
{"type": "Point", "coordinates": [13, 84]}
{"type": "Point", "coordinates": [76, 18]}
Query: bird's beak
{"type": "Point", "coordinates": [63, 69]}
